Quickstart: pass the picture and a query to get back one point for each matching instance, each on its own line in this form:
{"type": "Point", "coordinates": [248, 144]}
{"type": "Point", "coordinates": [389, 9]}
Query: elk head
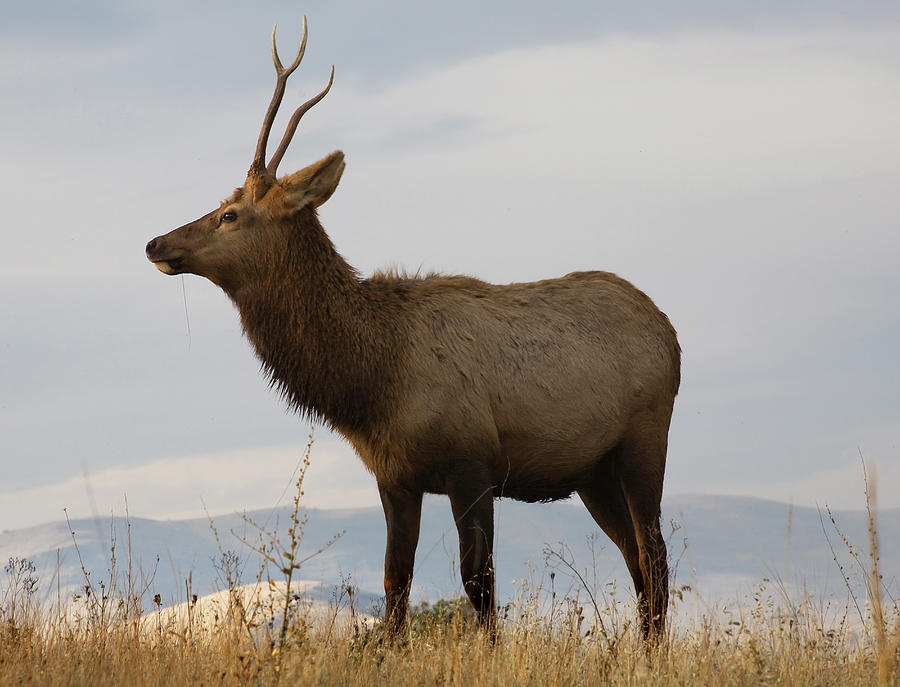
{"type": "Point", "coordinates": [224, 245]}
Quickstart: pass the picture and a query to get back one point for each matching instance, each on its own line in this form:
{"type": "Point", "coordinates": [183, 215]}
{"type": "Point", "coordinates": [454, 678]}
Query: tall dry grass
{"type": "Point", "coordinates": [767, 640]}
{"type": "Point", "coordinates": [760, 649]}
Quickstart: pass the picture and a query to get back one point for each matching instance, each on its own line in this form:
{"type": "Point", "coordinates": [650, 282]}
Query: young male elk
{"type": "Point", "coordinates": [447, 384]}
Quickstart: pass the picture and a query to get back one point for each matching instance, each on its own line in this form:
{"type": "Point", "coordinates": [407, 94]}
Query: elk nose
{"type": "Point", "coordinates": [151, 246]}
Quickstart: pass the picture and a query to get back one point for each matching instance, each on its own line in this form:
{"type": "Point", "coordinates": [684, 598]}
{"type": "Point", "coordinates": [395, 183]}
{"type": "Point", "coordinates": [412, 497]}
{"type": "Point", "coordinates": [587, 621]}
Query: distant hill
{"type": "Point", "coordinates": [724, 546]}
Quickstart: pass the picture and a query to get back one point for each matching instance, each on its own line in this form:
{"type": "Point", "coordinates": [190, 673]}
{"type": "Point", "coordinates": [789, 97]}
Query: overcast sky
{"type": "Point", "coordinates": [740, 162]}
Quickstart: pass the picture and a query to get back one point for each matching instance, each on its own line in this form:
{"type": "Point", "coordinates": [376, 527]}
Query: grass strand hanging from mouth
{"type": "Point", "coordinates": [187, 319]}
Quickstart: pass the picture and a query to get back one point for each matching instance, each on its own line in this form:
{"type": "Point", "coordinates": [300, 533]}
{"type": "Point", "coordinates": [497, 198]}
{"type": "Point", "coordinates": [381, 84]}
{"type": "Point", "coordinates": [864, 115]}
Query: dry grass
{"type": "Point", "coordinates": [767, 640]}
{"type": "Point", "coordinates": [762, 648]}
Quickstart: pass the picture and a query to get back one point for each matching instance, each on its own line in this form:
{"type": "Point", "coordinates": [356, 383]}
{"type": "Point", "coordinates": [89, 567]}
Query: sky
{"type": "Point", "coordinates": [739, 162]}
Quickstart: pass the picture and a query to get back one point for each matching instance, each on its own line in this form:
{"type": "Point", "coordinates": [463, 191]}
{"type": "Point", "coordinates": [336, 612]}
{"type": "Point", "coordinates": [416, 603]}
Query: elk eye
{"type": "Point", "coordinates": [229, 216]}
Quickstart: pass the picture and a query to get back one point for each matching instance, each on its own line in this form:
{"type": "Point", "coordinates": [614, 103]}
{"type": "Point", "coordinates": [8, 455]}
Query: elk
{"type": "Point", "coordinates": [448, 384]}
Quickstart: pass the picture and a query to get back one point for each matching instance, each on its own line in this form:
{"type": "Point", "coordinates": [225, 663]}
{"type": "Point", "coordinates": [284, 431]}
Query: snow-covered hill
{"type": "Point", "coordinates": [261, 606]}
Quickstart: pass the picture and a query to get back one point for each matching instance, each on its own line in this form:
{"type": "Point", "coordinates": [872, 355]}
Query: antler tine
{"type": "Point", "coordinates": [258, 166]}
{"type": "Point", "coordinates": [272, 167]}
{"type": "Point", "coordinates": [296, 63]}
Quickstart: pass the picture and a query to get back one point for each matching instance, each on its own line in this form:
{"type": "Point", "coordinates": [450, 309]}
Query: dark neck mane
{"type": "Point", "coordinates": [321, 337]}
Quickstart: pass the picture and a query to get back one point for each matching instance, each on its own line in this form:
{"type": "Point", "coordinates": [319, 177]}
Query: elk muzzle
{"type": "Point", "coordinates": [166, 260]}
{"type": "Point", "coordinates": [181, 249]}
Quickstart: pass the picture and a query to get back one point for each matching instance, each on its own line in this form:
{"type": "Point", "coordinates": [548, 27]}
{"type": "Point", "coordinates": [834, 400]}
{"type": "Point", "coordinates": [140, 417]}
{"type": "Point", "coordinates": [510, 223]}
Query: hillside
{"type": "Point", "coordinates": [724, 546]}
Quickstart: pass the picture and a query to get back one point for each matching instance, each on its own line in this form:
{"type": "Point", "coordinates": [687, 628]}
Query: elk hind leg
{"type": "Point", "coordinates": [640, 467]}
{"type": "Point", "coordinates": [605, 501]}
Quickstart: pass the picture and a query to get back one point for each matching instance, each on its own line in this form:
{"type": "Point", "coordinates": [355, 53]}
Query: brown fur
{"type": "Point", "coordinates": [450, 385]}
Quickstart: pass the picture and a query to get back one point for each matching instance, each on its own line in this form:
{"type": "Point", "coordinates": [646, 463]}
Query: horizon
{"type": "Point", "coordinates": [725, 548]}
{"type": "Point", "coordinates": [124, 511]}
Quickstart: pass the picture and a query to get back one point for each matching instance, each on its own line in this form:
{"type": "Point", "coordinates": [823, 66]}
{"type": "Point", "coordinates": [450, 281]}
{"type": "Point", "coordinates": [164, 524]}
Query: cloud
{"type": "Point", "coordinates": [763, 107]}
{"type": "Point", "coordinates": [840, 487]}
{"type": "Point", "coordinates": [178, 487]}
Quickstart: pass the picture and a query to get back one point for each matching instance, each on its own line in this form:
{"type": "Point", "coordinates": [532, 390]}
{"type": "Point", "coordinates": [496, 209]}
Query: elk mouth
{"type": "Point", "coordinates": [167, 261]}
{"type": "Point", "coordinates": [170, 266]}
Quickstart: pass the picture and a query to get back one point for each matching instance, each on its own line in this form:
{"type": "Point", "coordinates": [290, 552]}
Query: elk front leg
{"type": "Point", "coordinates": [402, 513]}
{"type": "Point", "coordinates": [472, 501]}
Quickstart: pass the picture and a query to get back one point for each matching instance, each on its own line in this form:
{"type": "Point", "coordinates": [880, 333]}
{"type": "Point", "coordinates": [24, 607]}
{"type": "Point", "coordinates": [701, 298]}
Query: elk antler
{"type": "Point", "coordinates": [259, 168]}
{"type": "Point", "coordinates": [292, 125]}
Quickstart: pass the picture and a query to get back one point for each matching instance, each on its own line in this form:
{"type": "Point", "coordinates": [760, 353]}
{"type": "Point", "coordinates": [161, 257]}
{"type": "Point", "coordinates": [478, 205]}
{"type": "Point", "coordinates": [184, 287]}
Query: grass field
{"type": "Point", "coordinates": [764, 645]}
{"type": "Point", "coordinates": [106, 636]}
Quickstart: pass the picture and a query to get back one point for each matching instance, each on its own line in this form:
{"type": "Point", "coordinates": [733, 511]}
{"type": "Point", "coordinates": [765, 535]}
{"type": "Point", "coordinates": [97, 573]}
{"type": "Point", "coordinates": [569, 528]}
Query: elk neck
{"type": "Point", "coordinates": [329, 346]}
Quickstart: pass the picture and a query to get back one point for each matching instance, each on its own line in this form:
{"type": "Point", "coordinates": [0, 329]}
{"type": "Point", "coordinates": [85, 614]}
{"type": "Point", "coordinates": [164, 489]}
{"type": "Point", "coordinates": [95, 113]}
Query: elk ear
{"type": "Point", "coordinates": [313, 185]}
